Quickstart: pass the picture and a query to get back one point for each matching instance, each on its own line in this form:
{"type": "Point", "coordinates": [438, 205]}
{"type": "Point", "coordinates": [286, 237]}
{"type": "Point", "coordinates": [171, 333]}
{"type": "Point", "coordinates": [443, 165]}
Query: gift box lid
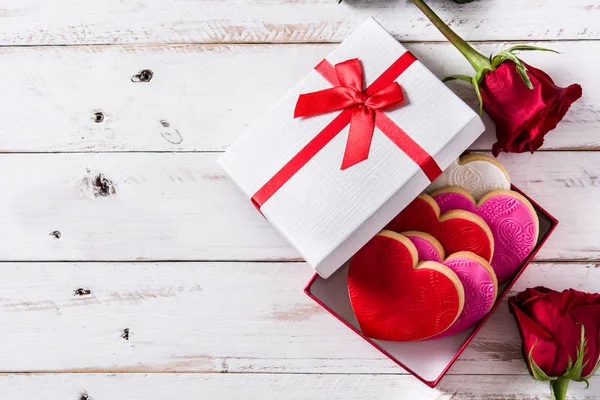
{"type": "Point", "coordinates": [292, 168]}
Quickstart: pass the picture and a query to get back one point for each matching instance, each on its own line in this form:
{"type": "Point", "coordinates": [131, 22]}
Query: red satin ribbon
{"type": "Point", "coordinates": [349, 95]}
{"type": "Point", "coordinates": [363, 110]}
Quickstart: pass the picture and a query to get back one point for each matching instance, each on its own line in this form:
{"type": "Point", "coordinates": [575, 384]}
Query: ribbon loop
{"type": "Point", "coordinates": [350, 74]}
{"type": "Point", "coordinates": [385, 98]}
{"type": "Point", "coordinates": [325, 101]}
{"type": "Point", "coordinates": [350, 95]}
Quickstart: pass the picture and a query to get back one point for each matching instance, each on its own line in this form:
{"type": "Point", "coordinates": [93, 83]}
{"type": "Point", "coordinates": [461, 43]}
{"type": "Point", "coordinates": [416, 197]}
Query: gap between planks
{"type": "Point", "coordinates": [289, 43]}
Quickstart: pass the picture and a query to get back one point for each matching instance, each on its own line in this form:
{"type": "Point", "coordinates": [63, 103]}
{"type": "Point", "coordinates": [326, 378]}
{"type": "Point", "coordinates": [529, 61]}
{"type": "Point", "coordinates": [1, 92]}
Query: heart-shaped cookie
{"type": "Point", "coordinates": [395, 299]}
{"type": "Point", "coordinates": [428, 247]}
{"type": "Point", "coordinates": [475, 274]}
{"type": "Point", "coordinates": [511, 218]}
{"type": "Point", "coordinates": [456, 230]}
{"type": "Point", "coordinates": [477, 173]}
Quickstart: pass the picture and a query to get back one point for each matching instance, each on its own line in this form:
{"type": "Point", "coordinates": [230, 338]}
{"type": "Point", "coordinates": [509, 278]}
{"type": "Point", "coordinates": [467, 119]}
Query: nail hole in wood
{"type": "Point", "coordinates": [82, 292]}
{"type": "Point", "coordinates": [56, 234]}
{"type": "Point", "coordinates": [98, 117]}
{"type": "Point", "coordinates": [126, 334]}
{"type": "Point", "coordinates": [103, 187]}
{"type": "Point", "coordinates": [85, 396]}
{"type": "Point", "coordinates": [144, 75]}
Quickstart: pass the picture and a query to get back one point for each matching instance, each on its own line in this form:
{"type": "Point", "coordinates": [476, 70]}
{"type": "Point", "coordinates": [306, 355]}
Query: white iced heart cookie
{"type": "Point", "coordinates": [476, 173]}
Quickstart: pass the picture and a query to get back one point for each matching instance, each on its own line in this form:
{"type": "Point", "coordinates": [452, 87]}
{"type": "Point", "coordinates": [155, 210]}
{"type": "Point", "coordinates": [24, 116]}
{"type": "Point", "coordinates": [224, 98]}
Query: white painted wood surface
{"type": "Point", "coordinates": [170, 250]}
{"type": "Point", "coordinates": [31, 22]}
{"type": "Point", "coordinates": [168, 206]}
{"type": "Point", "coordinates": [182, 317]}
{"type": "Point", "coordinates": [273, 387]}
{"type": "Point", "coordinates": [209, 94]}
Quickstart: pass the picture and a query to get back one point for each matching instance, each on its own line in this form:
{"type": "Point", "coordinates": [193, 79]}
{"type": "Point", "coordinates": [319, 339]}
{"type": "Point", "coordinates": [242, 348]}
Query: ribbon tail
{"type": "Point", "coordinates": [359, 137]}
{"type": "Point", "coordinates": [325, 101]}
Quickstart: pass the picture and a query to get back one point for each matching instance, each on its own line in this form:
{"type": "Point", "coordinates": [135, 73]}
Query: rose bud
{"type": "Point", "coordinates": [523, 101]}
{"type": "Point", "coordinates": [560, 333]}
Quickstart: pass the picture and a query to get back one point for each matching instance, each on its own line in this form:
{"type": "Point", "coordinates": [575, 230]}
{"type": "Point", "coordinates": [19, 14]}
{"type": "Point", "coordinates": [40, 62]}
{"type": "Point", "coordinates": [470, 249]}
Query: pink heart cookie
{"type": "Point", "coordinates": [475, 274]}
{"type": "Point", "coordinates": [511, 218]}
{"type": "Point", "coordinates": [428, 247]}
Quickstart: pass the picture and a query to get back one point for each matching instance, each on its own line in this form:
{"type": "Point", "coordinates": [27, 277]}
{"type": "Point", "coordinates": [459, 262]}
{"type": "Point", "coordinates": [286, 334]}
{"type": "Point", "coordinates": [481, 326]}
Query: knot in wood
{"type": "Point", "coordinates": [144, 75]}
{"type": "Point", "coordinates": [98, 117]}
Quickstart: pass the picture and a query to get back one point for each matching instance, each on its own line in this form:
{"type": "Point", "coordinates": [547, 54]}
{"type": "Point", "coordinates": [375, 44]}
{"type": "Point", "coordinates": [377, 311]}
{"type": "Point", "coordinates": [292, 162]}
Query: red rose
{"type": "Point", "coordinates": [524, 116]}
{"type": "Point", "coordinates": [523, 101]}
{"type": "Point", "coordinates": [552, 325]}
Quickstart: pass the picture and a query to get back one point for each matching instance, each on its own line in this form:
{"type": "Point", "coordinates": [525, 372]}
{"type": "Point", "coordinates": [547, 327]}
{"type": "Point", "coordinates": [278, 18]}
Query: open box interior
{"type": "Point", "coordinates": [429, 359]}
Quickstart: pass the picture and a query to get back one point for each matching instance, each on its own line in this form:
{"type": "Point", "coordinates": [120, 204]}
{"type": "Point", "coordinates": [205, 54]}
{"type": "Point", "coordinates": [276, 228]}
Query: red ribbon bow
{"type": "Point", "coordinates": [362, 110]}
{"type": "Point", "coordinates": [349, 94]}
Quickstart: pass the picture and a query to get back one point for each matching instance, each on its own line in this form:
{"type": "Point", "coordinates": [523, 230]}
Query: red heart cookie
{"type": "Point", "coordinates": [456, 230]}
{"type": "Point", "coordinates": [393, 298]}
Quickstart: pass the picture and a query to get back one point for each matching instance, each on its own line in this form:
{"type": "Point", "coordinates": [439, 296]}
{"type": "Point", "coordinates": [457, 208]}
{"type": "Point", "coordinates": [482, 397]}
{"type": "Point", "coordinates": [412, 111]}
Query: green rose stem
{"type": "Point", "coordinates": [559, 388]}
{"type": "Point", "coordinates": [479, 62]}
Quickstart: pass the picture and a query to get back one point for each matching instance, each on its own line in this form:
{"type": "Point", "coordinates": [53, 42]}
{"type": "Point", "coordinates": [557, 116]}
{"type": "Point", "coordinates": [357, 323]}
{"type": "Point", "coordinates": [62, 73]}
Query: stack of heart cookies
{"type": "Point", "coordinates": [435, 269]}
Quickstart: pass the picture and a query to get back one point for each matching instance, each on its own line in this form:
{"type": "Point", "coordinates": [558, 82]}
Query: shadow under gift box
{"type": "Point", "coordinates": [427, 360]}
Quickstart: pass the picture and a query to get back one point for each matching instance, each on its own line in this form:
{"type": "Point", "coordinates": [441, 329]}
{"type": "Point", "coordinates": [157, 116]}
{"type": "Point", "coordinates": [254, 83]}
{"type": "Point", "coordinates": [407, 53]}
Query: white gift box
{"type": "Point", "coordinates": [328, 213]}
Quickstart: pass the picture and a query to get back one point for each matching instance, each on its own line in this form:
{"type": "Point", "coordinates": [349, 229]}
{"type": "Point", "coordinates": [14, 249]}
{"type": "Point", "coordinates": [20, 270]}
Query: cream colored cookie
{"type": "Point", "coordinates": [476, 173]}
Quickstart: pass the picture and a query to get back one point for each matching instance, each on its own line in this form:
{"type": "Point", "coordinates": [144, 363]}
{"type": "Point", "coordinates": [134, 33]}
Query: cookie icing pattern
{"type": "Point", "coordinates": [394, 299]}
{"type": "Point", "coordinates": [511, 218]}
{"type": "Point", "coordinates": [477, 173]}
{"type": "Point", "coordinates": [427, 248]}
{"type": "Point", "coordinates": [480, 291]}
{"type": "Point", "coordinates": [475, 274]}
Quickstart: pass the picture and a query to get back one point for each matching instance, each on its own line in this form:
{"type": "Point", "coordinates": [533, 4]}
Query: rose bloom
{"type": "Point", "coordinates": [524, 116]}
{"type": "Point", "coordinates": [550, 323]}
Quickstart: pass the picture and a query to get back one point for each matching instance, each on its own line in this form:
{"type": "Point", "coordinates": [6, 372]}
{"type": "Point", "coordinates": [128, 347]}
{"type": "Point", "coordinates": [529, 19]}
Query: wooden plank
{"type": "Point", "coordinates": [202, 97]}
{"type": "Point", "coordinates": [161, 206]}
{"type": "Point", "coordinates": [277, 386]}
{"type": "Point", "coordinates": [30, 22]}
{"type": "Point", "coordinates": [213, 317]}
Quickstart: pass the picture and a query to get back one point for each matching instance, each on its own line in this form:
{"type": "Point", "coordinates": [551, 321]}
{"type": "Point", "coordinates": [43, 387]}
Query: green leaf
{"type": "Point", "coordinates": [525, 47]}
{"type": "Point", "coordinates": [523, 73]}
{"type": "Point", "coordinates": [574, 373]}
{"type": "Point", "coordinates": [587, 383]}
{"type": "Point", "coordinates": [464, 78]}
{"type": "Point", "coordinates": [498, 59]}
{"type": "Point", "coordinates": [521, 69]}
{"type": "Point", "coordinates": [473, 81]}
{"type": "Point", "coordinates": [569, 364]}
{"type": "Point", "coordinates": [596, 368]}
{"type": "Point", "coordinates": [537, 371]}
{"type": "Point", "coordinates": [478, 93]}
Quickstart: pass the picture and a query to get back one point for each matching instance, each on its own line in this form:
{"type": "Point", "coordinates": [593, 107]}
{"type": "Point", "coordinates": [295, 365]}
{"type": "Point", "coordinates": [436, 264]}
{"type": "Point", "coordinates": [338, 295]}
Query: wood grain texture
{"type": "Point", "coordinates": [202, 97]}
{"type": "Point", "coordinates": [214, 317]}
{"type": "Point", "coordinates": [145, 187]}
{"type": "Point", "coordinates": [162, 206]}
{"type": "Point", "coordinates": [277, 386]}
{"type": "Point", "coordinates": [29, 22]}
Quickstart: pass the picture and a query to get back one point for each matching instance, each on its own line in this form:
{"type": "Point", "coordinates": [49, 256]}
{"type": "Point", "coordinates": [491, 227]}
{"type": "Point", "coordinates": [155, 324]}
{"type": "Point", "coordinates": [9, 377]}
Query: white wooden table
{"type": "Point", "coordinates": [133, 269]}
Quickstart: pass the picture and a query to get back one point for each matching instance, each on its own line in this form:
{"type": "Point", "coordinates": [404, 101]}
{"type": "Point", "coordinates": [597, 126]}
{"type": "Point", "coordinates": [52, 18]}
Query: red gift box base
{"type": "Point", "coordinates": [427, 360]}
